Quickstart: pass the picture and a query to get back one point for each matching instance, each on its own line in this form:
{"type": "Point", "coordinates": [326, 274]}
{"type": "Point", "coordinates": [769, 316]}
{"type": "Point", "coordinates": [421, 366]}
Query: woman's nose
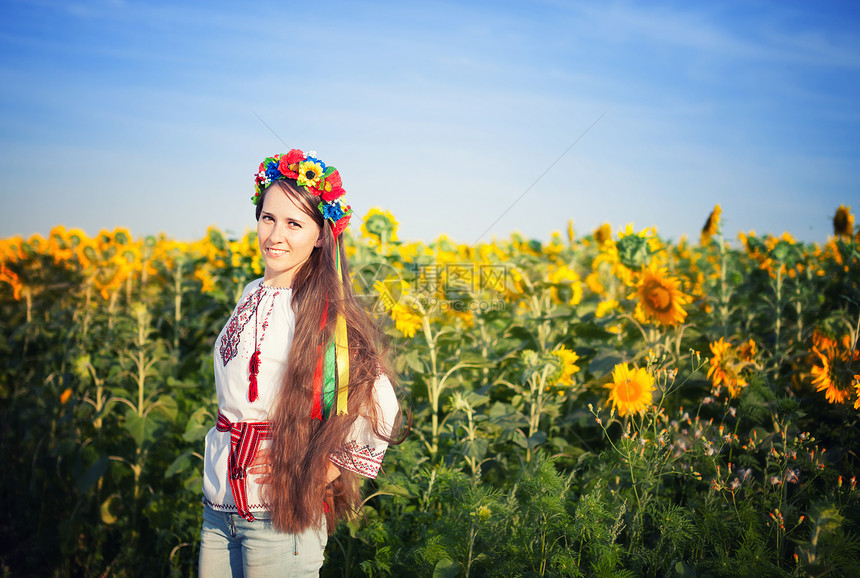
{"type": "Point", "coordinates": [279, 232]}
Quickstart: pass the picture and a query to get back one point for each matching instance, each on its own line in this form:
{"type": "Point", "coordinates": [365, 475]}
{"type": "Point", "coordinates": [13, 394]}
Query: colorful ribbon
{"type": "Point", "coordinates": [342, 345]}
{"type": "Point", "coordinates": [335, 361]}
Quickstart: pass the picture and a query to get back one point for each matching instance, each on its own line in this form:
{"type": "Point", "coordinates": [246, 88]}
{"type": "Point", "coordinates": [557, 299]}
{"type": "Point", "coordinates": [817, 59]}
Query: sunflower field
{"type": "Point", "coordinates": [607, 404]}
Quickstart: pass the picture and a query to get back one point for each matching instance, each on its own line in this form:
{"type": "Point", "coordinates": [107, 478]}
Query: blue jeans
{"type": "Point", "coordinates": [231, 546]}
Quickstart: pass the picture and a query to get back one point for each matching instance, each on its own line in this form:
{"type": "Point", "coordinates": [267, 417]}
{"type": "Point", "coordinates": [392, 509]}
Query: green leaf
{"type": "Point", "coordinates": [180, 464]}
{"type": "Point", "coordinates": [476, 399]}
{"type": "Point", "coordinates": [92, 474]}
{"type": "Point", "coordinates": [142, 429]}
{"type": "Point", "coordinates": [446, 568]}
{"type": "Point", "coordinates": [195, 432]}
{"type": "Point", "coordinates": [604, 362]}
{"type": "Point", "coordinates": [165, 406]}
{"type": "Point", "coordinates": [473, 358]}
{"type": "Point", "coordinates": [476, 449]}
{"type": "Point", "coordinates": [536, 439]}
{"type": "Point", "coordinates": [413, 361]}
{"type": "Point", "coordinates": [194, 484]}
{"type": "Point", "coordinates": [530, 442]}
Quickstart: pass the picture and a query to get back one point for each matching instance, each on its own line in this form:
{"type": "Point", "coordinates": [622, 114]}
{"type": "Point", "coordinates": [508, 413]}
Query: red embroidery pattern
{"type": "Point", "coordinates": [233, 332]}
{"type": "Point", "coordinates": [231, 508]}
{"type": "Point", "coordinates": [363, 460]}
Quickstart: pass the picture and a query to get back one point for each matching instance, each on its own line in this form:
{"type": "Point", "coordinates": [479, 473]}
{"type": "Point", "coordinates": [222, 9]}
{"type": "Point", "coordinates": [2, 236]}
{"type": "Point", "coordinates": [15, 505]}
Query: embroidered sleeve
{"type": "Point", "coordinates": [364, 450]}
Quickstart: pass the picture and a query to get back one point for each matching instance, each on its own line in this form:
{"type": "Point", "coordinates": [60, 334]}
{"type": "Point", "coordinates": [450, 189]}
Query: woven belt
{"type": "Point", "coordinates": [245, 438]}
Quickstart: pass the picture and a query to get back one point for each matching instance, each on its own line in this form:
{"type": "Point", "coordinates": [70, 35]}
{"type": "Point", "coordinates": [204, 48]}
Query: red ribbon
{"type": "Point", "coordinates": [245, 438]}
{"type": "Point", "coordinates": [316, 408]}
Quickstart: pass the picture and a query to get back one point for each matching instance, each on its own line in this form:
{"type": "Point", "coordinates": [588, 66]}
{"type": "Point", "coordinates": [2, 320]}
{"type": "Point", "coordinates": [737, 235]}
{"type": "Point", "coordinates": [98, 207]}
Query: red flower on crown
{"type": "Point", "coordinates": [289, 163]}
{"type": "Point", "coordinates": [338, 228]}
{"type": "Point", "coordinates": [333, 187]}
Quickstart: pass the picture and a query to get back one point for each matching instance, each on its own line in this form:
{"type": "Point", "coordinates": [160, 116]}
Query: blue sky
{"type": "Point", "coordinates": [144, 114]}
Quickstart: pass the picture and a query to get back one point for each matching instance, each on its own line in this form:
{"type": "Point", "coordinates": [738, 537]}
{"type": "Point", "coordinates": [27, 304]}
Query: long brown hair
{"type": "Point", "coordinates": [301, 445]}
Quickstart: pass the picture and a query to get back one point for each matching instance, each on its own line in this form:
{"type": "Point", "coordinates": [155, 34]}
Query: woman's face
{"type": "Point", "coordinates": [287, 236]}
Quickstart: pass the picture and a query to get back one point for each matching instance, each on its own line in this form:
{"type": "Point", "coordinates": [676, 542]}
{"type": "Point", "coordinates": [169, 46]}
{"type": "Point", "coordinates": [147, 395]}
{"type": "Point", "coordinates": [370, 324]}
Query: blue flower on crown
{"type": "Point", "coordinates": [272, 172]}
{"type": "Point", "coordinates": [332, 212]}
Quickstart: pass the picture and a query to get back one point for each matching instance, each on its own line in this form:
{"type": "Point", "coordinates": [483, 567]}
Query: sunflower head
{"type": "Point", "coordinates": [406, 320]}
{"type": "Point", "coordinates": [603, 234]}
{"type": "Point", "coordinates": [660, 299]}
{"type": "Point", "coordinates": [309, 173]}
{"type": "Point", "coordinates": [379, 226]}
{"type": "Point", "coordinates": [712, 226]}
{"type": "Point", "coordinates": [843, 222]}
{"type": "Point", "coordinates": [634, 250]}
{"type": "Point", "coordinates": [835, 371]}
{"type": "Point", "coordinates": [564, 366]}
{"type": "Point", "coordinates": [631, 390]}
{"type": "Point", "coordinates": [727, 363]}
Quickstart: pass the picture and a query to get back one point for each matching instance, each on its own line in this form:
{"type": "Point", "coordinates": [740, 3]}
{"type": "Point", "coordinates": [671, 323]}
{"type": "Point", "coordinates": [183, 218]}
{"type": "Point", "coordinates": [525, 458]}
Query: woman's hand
{"type": "Point", "coordinates": [261, 467]}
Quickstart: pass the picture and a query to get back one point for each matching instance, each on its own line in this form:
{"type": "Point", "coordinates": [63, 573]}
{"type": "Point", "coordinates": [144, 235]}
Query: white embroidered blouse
{"type": "Point", "coordinates": [263, 318]}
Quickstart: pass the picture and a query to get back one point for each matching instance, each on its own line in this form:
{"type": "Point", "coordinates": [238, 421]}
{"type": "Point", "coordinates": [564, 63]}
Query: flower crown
{"type": "Point", "coordinates": [316, 178]}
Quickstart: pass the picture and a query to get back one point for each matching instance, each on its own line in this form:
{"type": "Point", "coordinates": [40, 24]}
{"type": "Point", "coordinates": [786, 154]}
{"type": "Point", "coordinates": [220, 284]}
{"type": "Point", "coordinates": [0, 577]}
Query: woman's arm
{"type": "Point", "coordinates": [260, 467]}
{"type": "Point", "coordinates": [332, 474]}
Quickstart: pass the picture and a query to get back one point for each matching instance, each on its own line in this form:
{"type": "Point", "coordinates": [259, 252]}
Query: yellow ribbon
{"type": "Point", "coordinates": [341, 346]}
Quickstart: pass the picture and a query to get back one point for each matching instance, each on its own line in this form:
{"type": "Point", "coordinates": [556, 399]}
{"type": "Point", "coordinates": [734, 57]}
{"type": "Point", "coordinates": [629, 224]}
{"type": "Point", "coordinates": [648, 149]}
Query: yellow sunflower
{"type": "Point", "coordinates": [566, 363]}
{"type": "Point", "coordinates": [379, 227]}
{"type": "Point", "coordinates": [10, 277]}
{"type": "Point", "coordinates": [593, 282]}
{"type": "Point", "coordinates": [406, 320]}
{"type": "Point", "coordinates": [857, 391]}
{"type": "Point", "coordinates": [833, 376]}
{"type": "Point", "coordinates": [605, 307]}
{"type": "Point", "coordinates": [712, 226]}
{"type": "Point", "coordinates": [660, 298]}
{"type": "Point", "coordinates": [631, 390]}
{"type": "Point", "coordinates": [309, 173]}
{"type": "Point", "coordinates": [603, 234]}
{"type": "Point", "coordinates": [726, 365]}
{"type": "Point", "coordinates": [747, 351]}
{"type": "Point", "coordinates": [564, 277]}
{"type": "Point", "coordinates": [843, 222]}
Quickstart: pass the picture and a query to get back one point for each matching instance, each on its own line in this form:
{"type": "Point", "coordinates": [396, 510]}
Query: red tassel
{"type": "Point", "coordinates": [253, 370]}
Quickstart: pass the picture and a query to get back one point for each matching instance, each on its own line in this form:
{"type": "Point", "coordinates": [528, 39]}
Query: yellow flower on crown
{"type": "Point", "coordinates": [309, 172]}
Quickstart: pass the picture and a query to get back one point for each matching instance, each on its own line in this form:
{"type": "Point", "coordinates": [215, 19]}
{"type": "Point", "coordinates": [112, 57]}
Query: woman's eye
{"type": "Point", "coordinates": [295, 224]}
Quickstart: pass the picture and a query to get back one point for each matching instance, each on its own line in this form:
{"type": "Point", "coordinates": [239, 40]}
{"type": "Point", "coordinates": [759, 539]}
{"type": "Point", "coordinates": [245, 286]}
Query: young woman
{"type": "Point", "coordinates": [305, 395]}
